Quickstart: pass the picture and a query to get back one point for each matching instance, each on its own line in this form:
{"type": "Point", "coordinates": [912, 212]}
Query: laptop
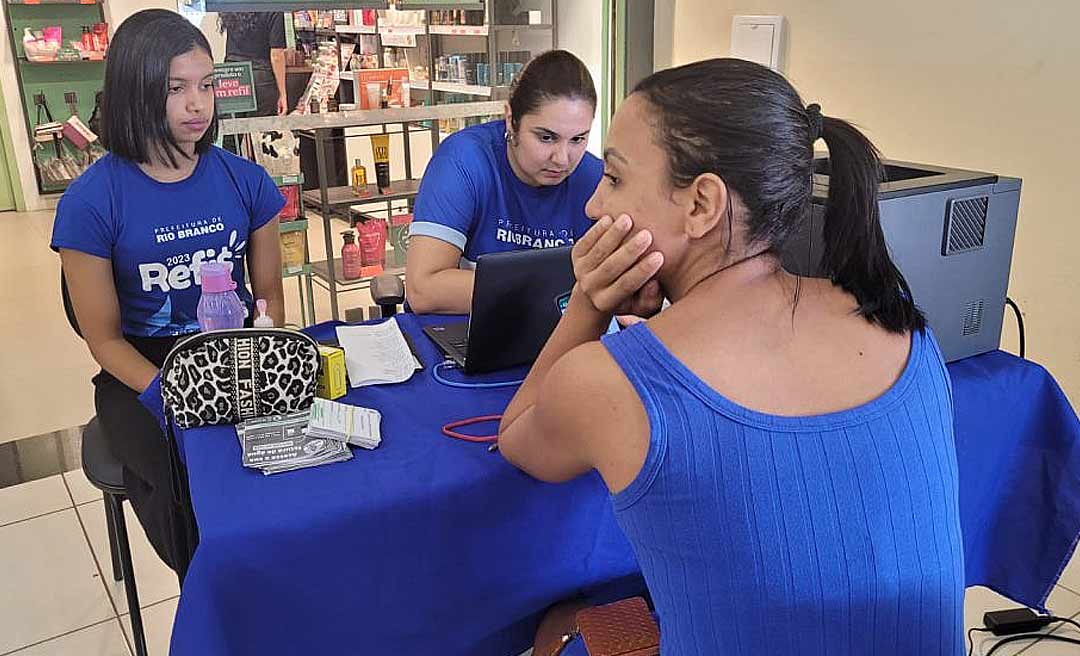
{"type": "Point", "coordinates": [515, 308]}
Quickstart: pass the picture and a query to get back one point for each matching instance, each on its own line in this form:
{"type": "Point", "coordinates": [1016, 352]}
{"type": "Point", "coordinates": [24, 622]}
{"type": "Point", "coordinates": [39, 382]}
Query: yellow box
{"type": "Point", "coordinates": [331, 373]}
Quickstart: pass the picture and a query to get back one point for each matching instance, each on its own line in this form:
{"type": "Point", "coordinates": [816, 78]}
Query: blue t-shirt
{"type": "Point", "coordinates": [157, 234]}
{"type": "Point", "coordinates": [471, 198]}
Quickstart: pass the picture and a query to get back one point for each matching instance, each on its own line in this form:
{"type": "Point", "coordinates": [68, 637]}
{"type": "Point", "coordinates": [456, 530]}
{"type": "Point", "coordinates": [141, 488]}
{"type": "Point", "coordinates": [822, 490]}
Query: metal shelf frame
{"type": "Point", "coordinates": [319, 127]}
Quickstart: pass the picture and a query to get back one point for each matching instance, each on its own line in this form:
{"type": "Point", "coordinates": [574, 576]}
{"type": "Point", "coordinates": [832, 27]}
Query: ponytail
{"type": "Point", "coordinates": [746, 124]}
{"type": "Point", "coordinates": [856, 256]}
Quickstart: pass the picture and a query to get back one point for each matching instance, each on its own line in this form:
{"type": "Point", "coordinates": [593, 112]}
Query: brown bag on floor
{"type": "Point", "coordinates": [624, 628]}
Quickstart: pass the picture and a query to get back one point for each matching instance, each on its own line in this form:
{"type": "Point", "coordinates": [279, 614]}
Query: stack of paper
{"type": "Point", "coordinates": [376, 354]}
{"type": "Point", "coordinates": [280, 443]}
{"type": "Point", "coordinates": [345, 423]}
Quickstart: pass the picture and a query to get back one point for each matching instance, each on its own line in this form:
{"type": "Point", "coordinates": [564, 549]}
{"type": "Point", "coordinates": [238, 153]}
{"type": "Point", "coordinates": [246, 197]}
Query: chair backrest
{"type": "Point", "coordinates": [69, 310]}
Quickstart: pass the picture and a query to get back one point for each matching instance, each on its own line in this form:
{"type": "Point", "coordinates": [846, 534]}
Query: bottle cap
{"type": "Point", "coordinates": [263, 320]}
{"type": "Point", "coordinates": [215, 277]}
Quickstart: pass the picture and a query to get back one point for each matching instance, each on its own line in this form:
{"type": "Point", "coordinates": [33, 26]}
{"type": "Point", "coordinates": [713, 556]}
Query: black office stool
{"type": "Point", "coordinates": [106, 473]}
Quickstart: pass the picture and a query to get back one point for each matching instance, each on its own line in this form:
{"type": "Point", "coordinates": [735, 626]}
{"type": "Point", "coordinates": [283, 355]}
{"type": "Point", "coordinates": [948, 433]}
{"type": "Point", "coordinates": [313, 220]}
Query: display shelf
{"type": "Point", "coordinates": [525, 26]}
{"type": "Point", "coordinates": [301, 271]}
{"type": "Point", "coordinates": [49, 188]}
{"type": "Point", "coordinates": [317, 31]}
{"type": "Point", "coordinates": [359, 117]}
{"type": "Point", "coordinates": [459, 30]}
{"type": "Point", "coordinates": [32, 3]}
{"type": "Point", "coordinates": [437, 4]}
{"type": "Point", "coordinates": [468, 89]}
{"type": "Point", "coordinates": [345, 196]}
{"type": "Point", "coordinates": [322, 273]}
{"type": "Point", "coordinates": [355, 29]}
{"type": "Point", "coordinates": [53, 80]}
{"type": "Point", "coordinates": [281, 180]}
{"type": "Point", "coordinates": [509, 39]}
{"type": "Point", "coordinates": [350, 76]}
{"type": "Point", "coordinates": [55, 62]}
{"type": "Point", "coordinates": [328, 131]}
{"type": "Point", "coordinates": [293, 226]}
{"type": "Point", "coordinates": [415, 30]}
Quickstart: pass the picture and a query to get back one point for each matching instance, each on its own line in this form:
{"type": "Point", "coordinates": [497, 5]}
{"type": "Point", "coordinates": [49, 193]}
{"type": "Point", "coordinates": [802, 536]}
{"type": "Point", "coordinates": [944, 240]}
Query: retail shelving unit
{"type": "Point", "coordinates": [327, 200]}
{"type": "Point", "coordinates": [55, 79]}
{"type": "Point", "coordinates": [303, 272]}
{"type": "Point", "coordinates": [505, 39]}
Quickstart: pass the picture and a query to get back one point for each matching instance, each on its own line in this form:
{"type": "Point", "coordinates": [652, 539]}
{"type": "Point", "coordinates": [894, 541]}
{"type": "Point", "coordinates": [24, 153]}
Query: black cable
{"type": "Point", "coordinates": [1019, 324]}
{"type": "Point", "coordinates": [1030, 636]}
{"type": "Point", "coordinates": [1055, 619]}
{"type": "Point", "coordinates": [971, 647]}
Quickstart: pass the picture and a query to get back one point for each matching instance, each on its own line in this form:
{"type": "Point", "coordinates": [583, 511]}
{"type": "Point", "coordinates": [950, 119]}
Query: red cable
{"type": "Point", "coordinates": [448, 430]}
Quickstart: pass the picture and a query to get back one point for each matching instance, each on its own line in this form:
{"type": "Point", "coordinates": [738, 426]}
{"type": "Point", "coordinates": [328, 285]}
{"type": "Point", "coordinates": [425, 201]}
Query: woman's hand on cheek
{"type": "Point", "coordinates": [612, 268]}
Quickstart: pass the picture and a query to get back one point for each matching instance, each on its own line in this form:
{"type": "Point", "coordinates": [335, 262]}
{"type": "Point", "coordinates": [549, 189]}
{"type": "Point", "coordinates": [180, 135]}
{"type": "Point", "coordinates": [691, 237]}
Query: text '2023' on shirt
{"type": "Point", "coordinates": [471, 198]}
{"type": "Point", "coordinates": [158, 234]}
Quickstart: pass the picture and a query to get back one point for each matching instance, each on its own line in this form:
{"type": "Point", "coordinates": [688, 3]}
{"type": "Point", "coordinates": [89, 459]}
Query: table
{"type": "Point", "coordinates": [432, 545]}
{"type": "Point", "coordinates": [1018, 450]}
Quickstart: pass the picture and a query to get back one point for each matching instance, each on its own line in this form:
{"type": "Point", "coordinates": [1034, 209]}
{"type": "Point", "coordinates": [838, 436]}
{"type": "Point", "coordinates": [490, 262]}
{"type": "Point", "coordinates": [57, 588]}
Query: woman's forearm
{"type": "Point", "coordinates": [444, 292]}
{"type": "Point", "coordinates": [119, 358]}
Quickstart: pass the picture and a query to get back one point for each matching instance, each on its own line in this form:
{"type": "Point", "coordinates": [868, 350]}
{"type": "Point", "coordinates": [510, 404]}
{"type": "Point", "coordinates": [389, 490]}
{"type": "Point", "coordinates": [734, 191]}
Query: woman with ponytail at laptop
{"type": "Point", "coordinates": [779, 451]}
{"type": "Point", "coordinates": [506, 185]}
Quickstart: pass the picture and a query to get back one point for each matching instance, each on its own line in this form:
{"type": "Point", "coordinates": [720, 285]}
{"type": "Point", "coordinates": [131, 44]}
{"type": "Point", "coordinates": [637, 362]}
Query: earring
{"type": "Point", "coordinates": [510, 138]}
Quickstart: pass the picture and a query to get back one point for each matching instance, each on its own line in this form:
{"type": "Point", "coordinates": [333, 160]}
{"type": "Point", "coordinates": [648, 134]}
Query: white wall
{"type": "Point", "coordinates": [982, 84]}
{"type": "Point", "coordinates": [663, 34]}
{"type": "Point", "coordinates": [580, 30]}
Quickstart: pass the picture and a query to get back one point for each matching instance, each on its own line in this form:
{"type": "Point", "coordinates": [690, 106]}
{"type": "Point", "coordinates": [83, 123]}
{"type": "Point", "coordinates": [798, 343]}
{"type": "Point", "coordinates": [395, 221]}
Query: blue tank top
{"type": "Point", "coordinates": [832, 534]}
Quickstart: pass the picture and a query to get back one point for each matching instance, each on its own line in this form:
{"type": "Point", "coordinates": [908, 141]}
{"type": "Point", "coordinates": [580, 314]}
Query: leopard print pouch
{"type": "Point", "coordinates": [228, 376]}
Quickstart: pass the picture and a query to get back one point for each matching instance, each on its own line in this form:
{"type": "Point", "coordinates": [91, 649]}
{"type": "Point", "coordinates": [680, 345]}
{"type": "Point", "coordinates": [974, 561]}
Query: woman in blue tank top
{"type": "Point", "coordinates": [779, 449]}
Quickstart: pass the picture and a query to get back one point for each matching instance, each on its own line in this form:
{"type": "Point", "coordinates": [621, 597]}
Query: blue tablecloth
{"type": "Point", "coordinates": [432, 545]}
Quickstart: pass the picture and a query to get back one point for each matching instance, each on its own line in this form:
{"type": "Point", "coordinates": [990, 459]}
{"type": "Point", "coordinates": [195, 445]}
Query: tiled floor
{"type": "Point", "coordinates": [61, 599]}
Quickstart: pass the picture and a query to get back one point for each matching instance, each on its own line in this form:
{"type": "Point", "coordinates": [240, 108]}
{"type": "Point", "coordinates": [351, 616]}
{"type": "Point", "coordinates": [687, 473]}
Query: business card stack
{"type": "Point", "coordinates": [345, 423]}
{"type": "Point", "coordinates": [280, 443]}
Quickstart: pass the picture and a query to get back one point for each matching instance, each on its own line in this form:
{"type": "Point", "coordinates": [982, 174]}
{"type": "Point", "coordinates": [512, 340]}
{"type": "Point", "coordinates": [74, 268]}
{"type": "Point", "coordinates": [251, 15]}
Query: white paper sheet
{"type": "Point", "coordinates": [376, 354]}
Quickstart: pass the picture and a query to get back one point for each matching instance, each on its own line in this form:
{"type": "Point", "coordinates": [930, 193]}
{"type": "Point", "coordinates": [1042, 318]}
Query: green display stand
{"type": "Point", "coordinates": [54, 79]}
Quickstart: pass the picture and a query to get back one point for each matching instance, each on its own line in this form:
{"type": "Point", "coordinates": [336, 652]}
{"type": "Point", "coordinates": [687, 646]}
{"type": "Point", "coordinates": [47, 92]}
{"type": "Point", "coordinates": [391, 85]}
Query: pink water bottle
{"type": "Point", "coordinates": [219, 306]}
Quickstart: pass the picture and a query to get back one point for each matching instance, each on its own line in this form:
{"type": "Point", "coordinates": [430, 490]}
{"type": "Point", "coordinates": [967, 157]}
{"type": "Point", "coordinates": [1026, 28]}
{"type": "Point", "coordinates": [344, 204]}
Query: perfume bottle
{"type": "Point", "coordinates": [359, 180]}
